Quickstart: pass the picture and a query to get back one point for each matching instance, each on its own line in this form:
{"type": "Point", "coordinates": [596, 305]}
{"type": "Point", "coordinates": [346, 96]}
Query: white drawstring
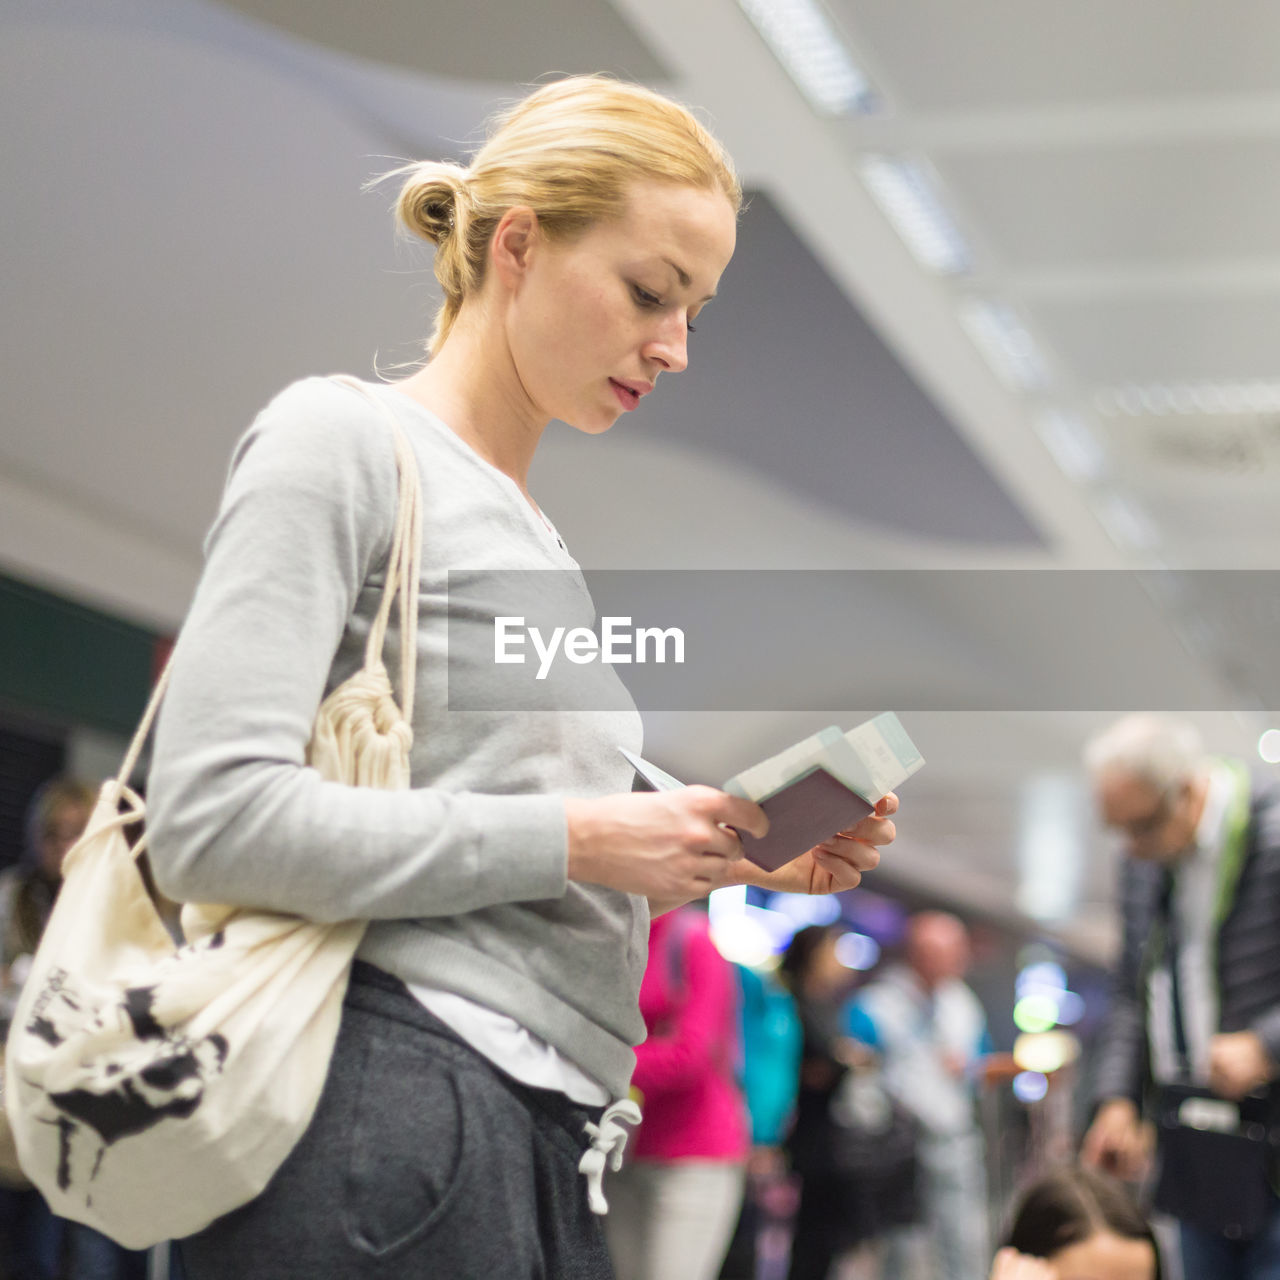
{"type": "Point", "coordinates": [608, 1142]}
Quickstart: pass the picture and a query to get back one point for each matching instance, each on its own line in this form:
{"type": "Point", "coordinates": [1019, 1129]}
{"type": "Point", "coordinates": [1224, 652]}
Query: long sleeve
{"type": "Point", "coordinates": [291, 575]}
{"type": "Point", "coordinates": [1249, 946]}
{"type": "Point", "coordinates": [1121, 1062]}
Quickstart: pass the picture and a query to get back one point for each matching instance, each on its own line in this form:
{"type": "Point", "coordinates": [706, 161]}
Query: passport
{"type": "Point", "coordinates": [827, 782]}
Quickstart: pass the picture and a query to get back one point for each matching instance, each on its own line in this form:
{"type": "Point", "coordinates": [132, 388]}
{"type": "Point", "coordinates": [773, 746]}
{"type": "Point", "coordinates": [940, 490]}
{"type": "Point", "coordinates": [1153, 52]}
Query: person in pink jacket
{"type": "Point", "coordinates": [673, 1207]}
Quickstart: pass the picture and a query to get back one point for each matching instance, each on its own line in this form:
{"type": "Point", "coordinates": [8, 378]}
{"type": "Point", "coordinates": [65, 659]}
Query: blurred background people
{"type": "Point", "coordinates": [32, 1239]}
{"type": "Point", "coordinates": [1196, 993]}
{"type": "Point", "coordinates": [847, 1197]}
{"type": "Point", "coordinates": [1084, 1226]}
{"type": "Point", "coordinates": [673, 1206]}
{"type": "Point", "coordinates": [34, 1243]}
{"type": "Point", "coordinates": [56, 816]}
{"type": "Point", "coordinates": [772, 1041]}
{"type": "Point", "coordinates": [931, 1032]}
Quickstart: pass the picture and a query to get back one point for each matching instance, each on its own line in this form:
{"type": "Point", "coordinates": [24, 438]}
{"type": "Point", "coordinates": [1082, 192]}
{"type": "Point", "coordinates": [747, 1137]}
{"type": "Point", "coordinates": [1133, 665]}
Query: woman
{"type": "Point", "coordinates": [1076, 1224]}
{"type": "Point", "coordinates": [492, 1010]}
{"type": "Point", "coordinates": [674, 1203]}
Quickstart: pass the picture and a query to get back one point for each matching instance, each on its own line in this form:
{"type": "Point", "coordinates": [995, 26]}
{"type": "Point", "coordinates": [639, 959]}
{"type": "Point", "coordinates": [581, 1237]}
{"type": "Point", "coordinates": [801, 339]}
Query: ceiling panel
{"type": "Point", "coordinates": [176, 267]}
{"type": "Point", "coordinates": [1163, 338]}
{"type": "Point", "coordinates": [473, 39]}
{"type": "Point", "coordinates": [1133, 204]}
{"type": "Point", "coordinates": [1224, 455]}
{"type": "Point", "coordinates": [938, 55]}
{"type": "Point", "coordinates": [1198, 521]}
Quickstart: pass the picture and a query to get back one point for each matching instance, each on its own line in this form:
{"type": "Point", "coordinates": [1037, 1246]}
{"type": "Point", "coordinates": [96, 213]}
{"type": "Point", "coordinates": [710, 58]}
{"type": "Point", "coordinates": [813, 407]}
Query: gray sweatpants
{"type": "Point", "coordinates": [422, 1160]}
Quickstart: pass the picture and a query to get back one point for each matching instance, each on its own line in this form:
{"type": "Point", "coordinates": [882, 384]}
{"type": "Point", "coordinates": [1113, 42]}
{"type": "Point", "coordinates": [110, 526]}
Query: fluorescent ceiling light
{"type": "Point", "coordinates": [1129, 527]}
{"type": "Point", "coordinates": [907, 198]}
{"type": "Point", "coordinates": [804, 40]}
{"type": "Point", "coordinates": [1009, 349]}
{"type": "Point", "coordinates": [1160, 399]}
{"type": "Point", "coordinates": [1074, 447]}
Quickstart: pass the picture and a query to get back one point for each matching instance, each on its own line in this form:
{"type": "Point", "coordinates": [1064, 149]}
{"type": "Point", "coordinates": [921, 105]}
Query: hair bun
{"type": "Point", "coordinates": [429, 199]}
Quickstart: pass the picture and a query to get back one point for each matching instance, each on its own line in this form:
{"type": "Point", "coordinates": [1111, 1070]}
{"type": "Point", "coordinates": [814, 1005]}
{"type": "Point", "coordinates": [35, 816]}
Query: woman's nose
{"type": "Point", "coordinates": [670, 346]}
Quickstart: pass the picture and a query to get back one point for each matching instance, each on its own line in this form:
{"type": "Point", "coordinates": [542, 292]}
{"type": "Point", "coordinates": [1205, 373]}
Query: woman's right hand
{"type": "Point", "coordinates": [669, 846]}
{"type": "Point", "coordinates": [1012, 1265]}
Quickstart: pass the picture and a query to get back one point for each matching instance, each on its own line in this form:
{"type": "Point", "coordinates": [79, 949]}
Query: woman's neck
{"type": "Point", "coordinates": [472, 385]}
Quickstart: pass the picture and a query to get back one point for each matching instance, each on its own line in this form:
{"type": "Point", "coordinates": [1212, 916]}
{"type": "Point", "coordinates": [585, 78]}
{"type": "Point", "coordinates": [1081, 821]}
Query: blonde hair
{"type": "Point", "coordinates": [568, 151]}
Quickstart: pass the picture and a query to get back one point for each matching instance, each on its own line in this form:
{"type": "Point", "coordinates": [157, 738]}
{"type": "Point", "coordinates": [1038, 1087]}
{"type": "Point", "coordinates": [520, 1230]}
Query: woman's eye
{"type": "Point", "coordinates": [647, 299]}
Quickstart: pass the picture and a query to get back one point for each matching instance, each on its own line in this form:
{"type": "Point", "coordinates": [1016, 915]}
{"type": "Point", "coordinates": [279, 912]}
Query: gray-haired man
{"type": "Point", "coordinates": [1196, 995]}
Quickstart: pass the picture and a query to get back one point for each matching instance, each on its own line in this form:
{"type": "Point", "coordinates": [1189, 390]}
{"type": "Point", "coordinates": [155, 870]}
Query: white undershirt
{"type": "Point", "coordinates": [511, 1047]}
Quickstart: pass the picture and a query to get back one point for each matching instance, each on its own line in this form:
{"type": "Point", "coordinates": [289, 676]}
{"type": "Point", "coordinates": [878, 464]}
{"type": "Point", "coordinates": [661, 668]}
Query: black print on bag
{"type": "Point", "coordinates": [128, 1097]}
{"type": "Point", "coordinates": [41, 1026]}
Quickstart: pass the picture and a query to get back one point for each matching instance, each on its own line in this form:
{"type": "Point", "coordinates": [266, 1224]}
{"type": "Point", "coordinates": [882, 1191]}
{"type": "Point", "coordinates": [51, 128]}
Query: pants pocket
{"type": "Point", "coordinates": [404, 1145]}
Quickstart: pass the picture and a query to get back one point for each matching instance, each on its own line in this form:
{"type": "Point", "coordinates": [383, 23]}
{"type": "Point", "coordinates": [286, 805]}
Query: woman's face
{"type": "Point", "coordinates": [64, 828]}
{"type": "Point", "coordinates": [1106, 1256]}
{"type": "Point", "coordinates": [594, 320]}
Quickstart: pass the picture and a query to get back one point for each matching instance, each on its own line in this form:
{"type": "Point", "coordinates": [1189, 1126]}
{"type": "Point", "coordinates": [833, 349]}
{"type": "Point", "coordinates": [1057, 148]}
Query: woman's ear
{"type": "Point", "coordinates": [514, 241]}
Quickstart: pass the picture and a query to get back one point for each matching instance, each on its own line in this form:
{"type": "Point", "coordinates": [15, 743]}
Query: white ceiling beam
{"type": "Point", "coordinates": [805, 163]}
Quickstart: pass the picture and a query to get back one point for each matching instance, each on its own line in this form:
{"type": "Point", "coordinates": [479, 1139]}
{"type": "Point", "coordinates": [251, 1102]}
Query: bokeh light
{"type": "Point", "coordinates": [743, 940]}
{"type": "Point", "coordinates": [1035, 1013]}
{"type": "Point", "coordinates": [1030, 1086]}
{"type": "Point", "coordinates": [1045, 1051]}
{"type": "Point", "coordinates": [805, 909]}
{"type": "Point", "coordinates": [857, 951]}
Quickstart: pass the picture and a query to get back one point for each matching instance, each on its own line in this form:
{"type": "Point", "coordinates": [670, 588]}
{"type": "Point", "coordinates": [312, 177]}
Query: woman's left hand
{"type": "Point", "coordinates": [833, 865]}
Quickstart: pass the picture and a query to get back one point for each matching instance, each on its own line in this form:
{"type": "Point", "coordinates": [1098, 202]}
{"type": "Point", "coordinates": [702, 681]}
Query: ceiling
{"type": "Point", "coordinates": [188, 231]}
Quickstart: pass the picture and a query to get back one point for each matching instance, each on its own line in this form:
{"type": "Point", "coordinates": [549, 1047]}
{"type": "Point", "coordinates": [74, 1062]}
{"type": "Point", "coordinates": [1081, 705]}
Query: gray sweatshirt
{"type": "Point", "coordinates": [464, 876]}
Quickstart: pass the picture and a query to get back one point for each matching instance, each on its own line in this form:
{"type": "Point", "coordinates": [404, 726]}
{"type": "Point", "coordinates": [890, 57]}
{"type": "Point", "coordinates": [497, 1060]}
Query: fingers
{"type": "Point", "coordinates": [721, 841]}
{"type": "Point", "coordinates": [1222, 1084]}
{"type": "Point", "coordinates": [1120, 1155]}
{"type": "Point", "coordinates": [887, 805]}
{"type": "Point", "coordinates": [1102, 1147]}
{"type": "Point", "coordinates": [1091, 1150]}
{"type": "Point", "coordinates": [842, 872]}
{"type": "Point", "coordinates": [857, 853]}
{"type": "Point", "coordinates": [743, 815]}
{"type": "Point", "coordinates": [724, 810]}
{"type": "Point", "coordinates": [714, 871]}
{"type": "Point", "coordinates": [873, 831]}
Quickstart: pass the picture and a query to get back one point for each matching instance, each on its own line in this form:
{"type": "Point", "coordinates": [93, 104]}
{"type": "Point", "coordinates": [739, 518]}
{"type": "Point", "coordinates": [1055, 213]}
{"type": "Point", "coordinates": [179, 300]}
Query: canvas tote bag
{"type": "Point", "coordinates": [154, 1087]}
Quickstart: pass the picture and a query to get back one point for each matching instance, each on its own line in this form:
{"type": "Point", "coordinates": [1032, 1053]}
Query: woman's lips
{"type": "Point", "coordinates": [626, 397]}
